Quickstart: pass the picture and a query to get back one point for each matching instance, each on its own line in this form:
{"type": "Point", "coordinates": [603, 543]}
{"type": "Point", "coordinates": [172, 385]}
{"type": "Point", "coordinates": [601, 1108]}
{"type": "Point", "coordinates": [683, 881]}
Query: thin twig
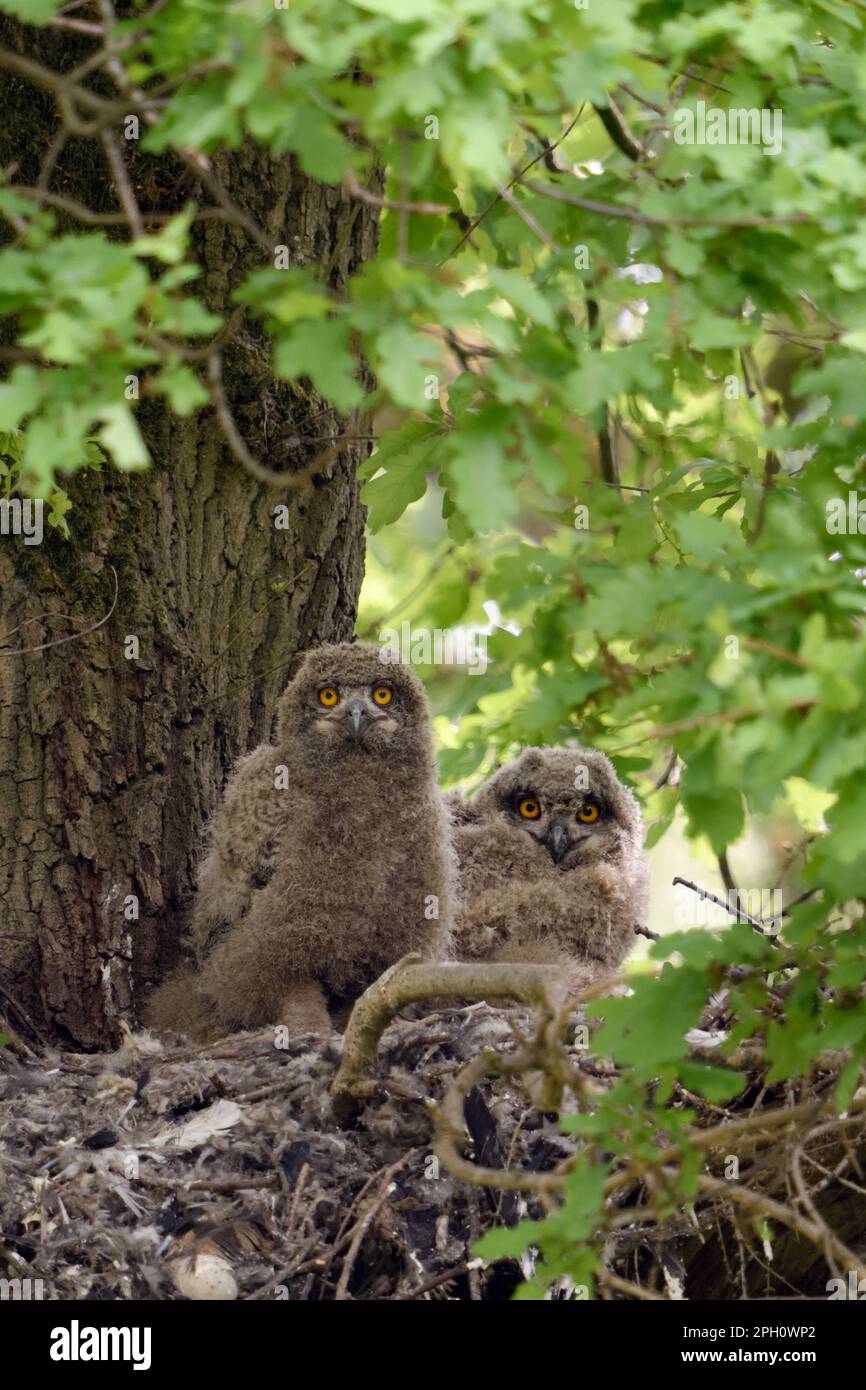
{"type": "Point", "coordinates": [354, 189]}
{"type": "Point", "coordinates": [737, 912]}
{"type": "Point", "coordinates": [634, 215]}
{"type": "Point", "coordinates": [53, 153]}
{"type": "Point", "coordinates": [363, 1225]}
{"type": "Point", "coordinates": [440, 1279]}
{"type": "Point", "coordinates": [293, 481]}
{"type": "Point", "coordinates": [75, 636]}
{"type": "Point", "coordinates": [89, 218]}
{"type": "Point", "coordinates": [626, 1286]}
{"type": "Point", "coordinates": [24, 1017]}
{"type": "Point", "coordinates": [645, 931]}
{"type": "Point", "coordinates": [700, 721]}
{"type": "Point", "coordinates": [121, 182]}
{"type": "Point", "coordinates": [508, 197]}
{"type": "Point", "coordinates": [78, 26]}
{"type": "Point", "coordinates": [546, 152]}
{"type": "Point", "coordinates": [403, 217]}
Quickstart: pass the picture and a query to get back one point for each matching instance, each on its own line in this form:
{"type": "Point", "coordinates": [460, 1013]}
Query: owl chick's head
{"type": "Point", "coordinates": [569, 800]}
{"type": "Point", "coordinates": [345, 700]}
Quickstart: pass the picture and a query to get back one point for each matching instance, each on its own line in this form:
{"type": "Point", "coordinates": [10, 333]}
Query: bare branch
{"type": "Point", "coordinates": [105, 112]}
{"type": "Point", "coordinates": [634, 215]}
{"type": "Point", "coordinates": [89, 218]}
{"type": "Point", "coordinates": [292, 481]}
{"type": "Point", "coordinates": [121, 182]}
{"type": "Point", "coordinates": [75, 636]}
{"type": "Point", "coordinates": [364, 1222]}
{"type": "Point", "coordinates": [612, 119]}
{"type": "Point", "coordinates": [546, 154]}
{"type": "Point", "coordinates": [715, 717]}
{"type": "Point", "coordinates": [705, 894]}
{"type": "Point", "coordinates": [645, 931]}
{"type": "Point", "coordinates": [55, 149]}
{"type": "Point", "coordinates": [412, 979]}
{"type": "Point", "coordinates": [762, 1205]}
{"type": "Point", "coordinates": [508, 197]}
{"type": "Point", "coordinates": [78, 26]}
{"type": "Point", "coordinates": [354, 189]}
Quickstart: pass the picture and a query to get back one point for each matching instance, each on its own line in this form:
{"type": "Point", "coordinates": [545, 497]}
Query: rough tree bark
{"type": "Point", "coordinates": [109, 766]}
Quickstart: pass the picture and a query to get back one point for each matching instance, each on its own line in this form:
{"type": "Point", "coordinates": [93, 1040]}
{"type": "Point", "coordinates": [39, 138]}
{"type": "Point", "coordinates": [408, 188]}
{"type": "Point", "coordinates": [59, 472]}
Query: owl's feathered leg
{"type": "Point", "coordinates": [482, 924]}
{"type": "Point", "coordinates": [256, 977]}
{"type": "Point", "coordinates": [304, 1009]}
{"type": "Point", "coordinates": [179, 1007]}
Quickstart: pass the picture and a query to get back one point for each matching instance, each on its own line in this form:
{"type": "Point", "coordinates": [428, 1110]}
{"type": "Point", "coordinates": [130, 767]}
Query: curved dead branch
{"type": "Point", "coordinates": [413, 979]}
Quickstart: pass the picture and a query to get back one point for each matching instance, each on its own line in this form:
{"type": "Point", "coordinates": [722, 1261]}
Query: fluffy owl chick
{"type": "Point", "coordinates": [331, 851]}
{"type": "Point", "coordinates": [551, 865]}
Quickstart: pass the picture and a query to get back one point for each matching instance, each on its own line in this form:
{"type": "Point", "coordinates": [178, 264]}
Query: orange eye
{"type": "Point", "coordinates": [383, 694]}
{"type": "Point", "coordinates": [328, 696]}
{"type": "Point", "coordinates": [529, 808]}
{"type": "Point", "coordinates": [588, 813]}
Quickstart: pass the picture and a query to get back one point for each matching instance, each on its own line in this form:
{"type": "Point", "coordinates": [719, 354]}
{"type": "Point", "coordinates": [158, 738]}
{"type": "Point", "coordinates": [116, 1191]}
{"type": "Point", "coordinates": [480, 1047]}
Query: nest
{"type": "Point", "coordinates": [328, 1170]}
{"type": "Point", "coordinates": [162, 1172]}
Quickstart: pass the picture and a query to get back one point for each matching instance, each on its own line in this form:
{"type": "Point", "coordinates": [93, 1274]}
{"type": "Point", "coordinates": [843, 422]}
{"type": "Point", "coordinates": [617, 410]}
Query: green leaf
{"type": "Point", "coordinates": [405, 462]}
{"type": "Point", "coordinates": [169, 244]}
{"type": "Point", "coordinates": [315, 139]}
{"type": "Point", "coordinates": [182, 387]}
{"type": "Point", "coordinates": [31, 11]}
{"type": "Point", "coordinates": [713, 1083]}
{"type": "Point", "coordinates": [320, 351]}
{"type": "Point", "coordinates": [505, 1242]}
{"type": "Point", "coordinates": [481, 477]}
{"type": "Point", "coordinates": [19, 396]}
{"type": "Point", "coordinates": [648, 1030]}
{"type": "Point", "coordinates": [404, 361]}
{"type": "Point", "coordinates": [475, 132]}
{"type": "Point", "coordinates": [523, 295]}
{"type": "Point", "coordinates": [719, 817]}
{"type": "Point", "coordinates": [121, 437]}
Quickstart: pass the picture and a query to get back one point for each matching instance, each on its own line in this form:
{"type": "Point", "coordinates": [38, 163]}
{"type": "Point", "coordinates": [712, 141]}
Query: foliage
{"type": "Point", "coordinates": [799, 1007]}
{"type": "Point", "coordinates": [634, 368]}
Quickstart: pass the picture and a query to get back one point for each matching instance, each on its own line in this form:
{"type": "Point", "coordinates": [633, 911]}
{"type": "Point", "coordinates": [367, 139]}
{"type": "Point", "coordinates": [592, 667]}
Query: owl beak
{"type": "Point", "coordinates": [357, 716]}
{"type": "Point", "coordinates": [558, 841]}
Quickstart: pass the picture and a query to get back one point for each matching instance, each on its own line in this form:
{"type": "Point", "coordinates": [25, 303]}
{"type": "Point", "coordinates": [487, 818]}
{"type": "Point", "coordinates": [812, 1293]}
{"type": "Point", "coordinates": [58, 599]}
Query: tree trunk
{"type": "Point", "coordinates": [110, 764]}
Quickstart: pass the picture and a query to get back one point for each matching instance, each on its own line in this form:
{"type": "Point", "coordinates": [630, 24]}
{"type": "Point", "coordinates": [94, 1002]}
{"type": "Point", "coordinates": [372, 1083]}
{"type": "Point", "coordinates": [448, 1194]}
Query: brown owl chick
{"type": "Point", "coordinates": [330, 856]}
{"type": "Point", "coordinates": [551, 865]}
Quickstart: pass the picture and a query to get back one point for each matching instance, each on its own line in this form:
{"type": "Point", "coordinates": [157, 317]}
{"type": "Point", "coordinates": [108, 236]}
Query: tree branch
{"type": "Point", "coordinates": [236, 443]}
{"type": "Point", "coordinates": [412, 979]}
{"type": "Point", "coordinates": [354, 189]}
{"type": "Point", "coordinates": [634, 215]}
{"type": "Point", "coordinates": [705, 895]}
{"type": "Point", "coordinates": [75, 636]}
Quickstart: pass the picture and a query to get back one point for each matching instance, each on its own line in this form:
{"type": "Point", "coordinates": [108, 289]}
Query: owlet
{"type": "Point", "coordinates": [329, 858]}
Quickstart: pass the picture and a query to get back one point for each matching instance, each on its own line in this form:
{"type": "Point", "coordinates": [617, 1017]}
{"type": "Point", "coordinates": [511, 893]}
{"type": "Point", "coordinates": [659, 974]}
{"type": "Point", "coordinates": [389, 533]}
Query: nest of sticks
{"type": "Point", "coordinates": [367, 1167]}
